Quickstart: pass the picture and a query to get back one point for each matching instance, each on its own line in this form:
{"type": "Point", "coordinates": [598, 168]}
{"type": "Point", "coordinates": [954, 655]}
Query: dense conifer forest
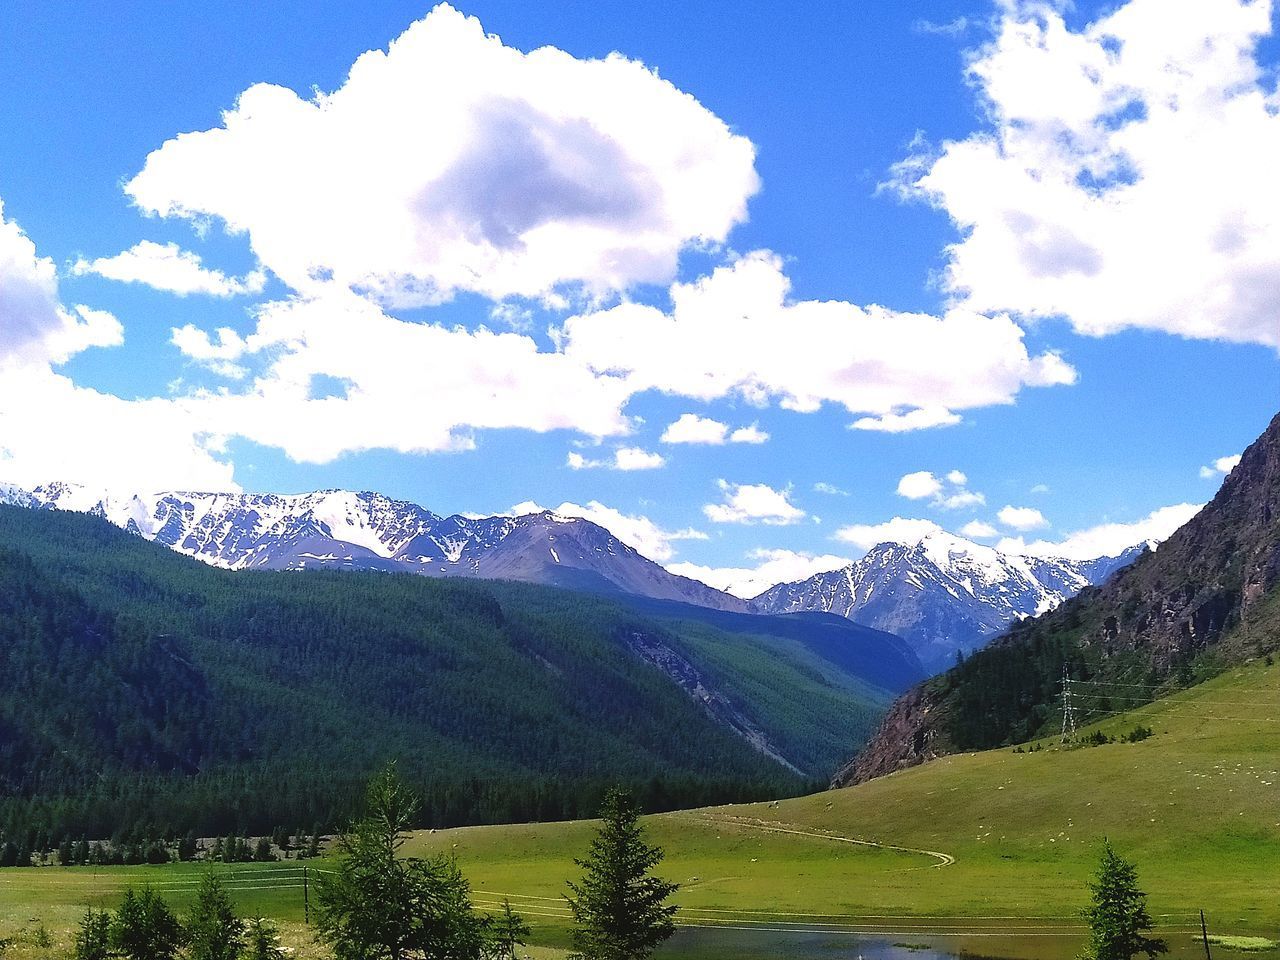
{"type": "Point", "coordinates": [143, 694]}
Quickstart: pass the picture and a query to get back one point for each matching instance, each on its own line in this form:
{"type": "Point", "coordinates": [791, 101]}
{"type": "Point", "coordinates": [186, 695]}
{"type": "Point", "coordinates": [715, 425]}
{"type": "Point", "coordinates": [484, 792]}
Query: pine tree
{"type": "Point", "coordinates": [1118, 915]}
{"type": "Point", "coordinates": [144, 928]}
{"type": "Point", "coordinates": [214, 932]}
{"type": "Point", "coordinates": [188, 847]}
{"type": "Point", "coordinates": [379, 906]}
{"type": "Point", "coordinates": [620, 909]}
{"type": "Point", "coordinates": [263, 941]}
{"type": "Point", "coordinates": [506, 931]}
{"type": "Point", "coordinates": [262, 852]}
{"type": "Point", "coordinates": [93, 938]}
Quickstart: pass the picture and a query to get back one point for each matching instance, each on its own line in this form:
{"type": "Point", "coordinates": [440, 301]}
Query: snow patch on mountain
{"type": "Point", "coordinates": [369, 531]}
{"type": "Point", "coordinates": [942, 593]}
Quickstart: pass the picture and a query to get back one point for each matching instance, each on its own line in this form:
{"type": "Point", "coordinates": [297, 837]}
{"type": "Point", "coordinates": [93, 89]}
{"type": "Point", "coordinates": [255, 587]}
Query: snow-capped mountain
{"type": "Point", "coordinates": [942, 594]}
{"type": "Point", "coordinates": [368, 531]}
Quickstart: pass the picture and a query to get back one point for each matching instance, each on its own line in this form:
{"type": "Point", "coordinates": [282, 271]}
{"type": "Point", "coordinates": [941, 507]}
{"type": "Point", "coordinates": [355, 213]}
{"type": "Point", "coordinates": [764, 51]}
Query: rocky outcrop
{"type": "Point", "coordinates": [905, 738]}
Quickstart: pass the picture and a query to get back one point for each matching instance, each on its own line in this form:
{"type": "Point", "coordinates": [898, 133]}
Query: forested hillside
{"type": "Point", "coordinates": [1204, 599]}
{"type": "Point", "coordinates": [143, 691]}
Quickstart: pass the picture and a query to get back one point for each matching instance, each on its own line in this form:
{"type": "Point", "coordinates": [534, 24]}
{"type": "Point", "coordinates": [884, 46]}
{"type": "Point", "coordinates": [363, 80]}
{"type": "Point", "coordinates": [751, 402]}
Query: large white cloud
{"type": "Point", "coordinates": [50, 429]}
{"type": "Point", "coordinates": [771, 567]}
{"type": "Point", "coordinates": [1107, 539]}
{"type": "Point", "coordinates": [1127, 178]}
{"type": "Point", "coordinates": [451, 162]}
{"type": "Point", "coordinates": [34, 325]}
{"type": "Point", "coordinates": [337, 374]}
{"type": "Point", "coordinates": [166, 266]}
{"type": "Point", "coordinates": [753, 503]}
{"type": "Point", "coordinates": [735, 333]}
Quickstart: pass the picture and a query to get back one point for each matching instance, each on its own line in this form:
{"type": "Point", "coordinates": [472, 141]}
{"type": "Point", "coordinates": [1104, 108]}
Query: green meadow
{"type": "Point", "coordinates": [984, 854]}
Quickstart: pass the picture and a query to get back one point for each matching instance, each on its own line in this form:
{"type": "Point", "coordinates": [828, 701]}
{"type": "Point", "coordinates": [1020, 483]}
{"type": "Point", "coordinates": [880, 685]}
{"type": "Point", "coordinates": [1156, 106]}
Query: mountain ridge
{"type": "Point", "coordinates": [370, 531]}
{"type": "Point", "coordinates": [944, 594]}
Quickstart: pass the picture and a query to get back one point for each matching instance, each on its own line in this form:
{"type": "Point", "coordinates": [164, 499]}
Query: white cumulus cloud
{"type": "Point", "coordinates": [946, 493]}
{"type": "Point", "coordinates": [919, 485]}
{"type": "Point", "coordinates": [1022, 518]}
{"type": "Point", "coordinates": [753, 503]}
{"type": "Point", "coordinates": [452, 162]}
{"type": "Point", "coordinates": [1108, 539]}
{"type": "Point", "coordinates": [978, 530]}
{"type": "Point", "coordinates": [624, 458]}
{"type": "Point", "coordinates": [1127, 178]}
{"type": "Point", "coordinates": [1220, 467]}
{"type": "Point", "coordinates": [693, 429]}
{"type": "Point", "coordinates": [898, 530]}
{"type": "Point", "coordinates": [736, 333]}
{"type": "Point", "coordinates": [168, 267]}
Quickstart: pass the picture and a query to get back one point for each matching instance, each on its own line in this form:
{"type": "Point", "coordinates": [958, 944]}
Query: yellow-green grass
{"type": "Point", "coordinates": [1197, 806]}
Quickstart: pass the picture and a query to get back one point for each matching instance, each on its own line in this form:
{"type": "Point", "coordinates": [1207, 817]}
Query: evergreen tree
{"type": "Point", "coordinates": [262, 852]}
{"type": "Point", "coordinates": [263, 941]}
{"type": "Point", "coordinates": [93, 938]}
{"type": "Point", "coordinates": [66, 853]}
{"type": "Point", "coordinates": [379, 906]}
{"type": "Point", "coordinates": [188, 847]}
{"type": "Point", "coordinates": [9, 854]}
{"type": "Point", "coordinates": [506, 931]}
{"type": "Point", "coordinates": [1118, 915]}
{"type": "Point", "coordinates": [145, 928]}
{"type": "Point", "coordinates": [214, 932]}
{"type": "Point", "coordinates": [620, 909]}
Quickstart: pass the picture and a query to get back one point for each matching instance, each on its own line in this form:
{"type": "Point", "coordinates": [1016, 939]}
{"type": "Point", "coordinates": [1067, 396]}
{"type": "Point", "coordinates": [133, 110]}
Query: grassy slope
{"type": "Point", "coordinates": [1197, 805]}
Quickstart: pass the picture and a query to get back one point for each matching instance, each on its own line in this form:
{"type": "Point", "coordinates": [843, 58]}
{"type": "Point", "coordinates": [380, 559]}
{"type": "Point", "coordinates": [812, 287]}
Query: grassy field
{"type": "Point", "coordinates": [984, 854]}
{"type": "Point", "coordinates": [1197, 806]}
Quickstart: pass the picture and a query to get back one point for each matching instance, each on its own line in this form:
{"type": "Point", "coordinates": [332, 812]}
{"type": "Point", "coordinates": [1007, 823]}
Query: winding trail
{"type": "Point", "coordinates": [753, 823]}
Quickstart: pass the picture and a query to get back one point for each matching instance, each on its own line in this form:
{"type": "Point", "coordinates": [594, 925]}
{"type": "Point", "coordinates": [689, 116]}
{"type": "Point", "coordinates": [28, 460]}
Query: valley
{"type": "Point", "coordinates": [981, 853]}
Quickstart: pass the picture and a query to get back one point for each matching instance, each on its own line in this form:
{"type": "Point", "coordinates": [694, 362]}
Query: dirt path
{"type": "Point", "coordinates": [751, 823]}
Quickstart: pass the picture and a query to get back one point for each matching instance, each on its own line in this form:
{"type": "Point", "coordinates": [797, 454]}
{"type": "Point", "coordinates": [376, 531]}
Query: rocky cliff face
{"type": "Point", "coordinates": [1164, 610]}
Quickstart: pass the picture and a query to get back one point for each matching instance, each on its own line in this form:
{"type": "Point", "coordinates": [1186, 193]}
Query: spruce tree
{"type": "Point", "coordinates": [377, 905]}
{"type": "Point", "coordinates": [144, 928]}
{"type": "Point", "coordinates": [620, 909]}
{"type": "Point", "coordinates": [93, 940]}
{"type": "Point", "coordinates": [214, 932]}
{"type": "Point", "coordinates": [506, 931]}
{"type": "Point", "coordinates": [1117, 915]}
{"type": "Point", "coordinates": [263, 941]}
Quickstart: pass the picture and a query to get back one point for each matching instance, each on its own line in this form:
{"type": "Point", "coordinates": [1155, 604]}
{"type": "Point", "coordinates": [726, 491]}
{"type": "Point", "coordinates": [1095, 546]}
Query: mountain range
{"type": "Point", "coordinates": [944, 594]}
{"type": "Point", "coordinates": [369, 531]}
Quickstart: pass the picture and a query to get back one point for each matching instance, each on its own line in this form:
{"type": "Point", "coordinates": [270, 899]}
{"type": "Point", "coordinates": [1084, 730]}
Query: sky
{"type": "Point", "coordinates": [753, 286]}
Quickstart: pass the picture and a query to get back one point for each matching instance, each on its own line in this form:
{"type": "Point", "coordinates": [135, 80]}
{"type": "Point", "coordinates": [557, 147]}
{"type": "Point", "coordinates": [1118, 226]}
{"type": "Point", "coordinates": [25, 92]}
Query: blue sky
{"type": "Point", "coordinates": [1085, 313]}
